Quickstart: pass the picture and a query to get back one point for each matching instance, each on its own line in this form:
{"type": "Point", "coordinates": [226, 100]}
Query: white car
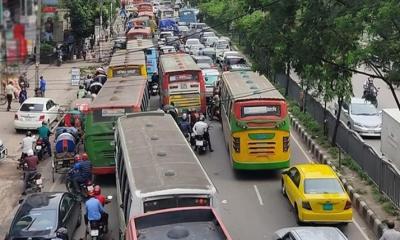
{"type": "Point", "coordinates": [221, 58]}
{"type": "Point", "coordinates": [361, 116]}
{"type": "Point", "coordinates": [205, 35]}
{"type": "Point", "coordinates": [309, 233]}
{"type": "Point", "coordinates": [221, 46]}
{"type": "Point", "coordinates": [190, 42]}
{"type": "Point", "coordinates": [196, 49]}
{"type": "Point", "coordinates": [210, 41]}
{"type": "Point", "coordinates": [34, 111]}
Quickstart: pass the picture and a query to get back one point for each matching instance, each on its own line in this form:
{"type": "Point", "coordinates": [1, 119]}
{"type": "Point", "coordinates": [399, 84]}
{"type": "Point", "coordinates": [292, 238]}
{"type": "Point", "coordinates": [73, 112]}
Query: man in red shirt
{"type": "Point", "coordinates": [98, 195]}
{"type": "Point", "coordinates": [30, 167]}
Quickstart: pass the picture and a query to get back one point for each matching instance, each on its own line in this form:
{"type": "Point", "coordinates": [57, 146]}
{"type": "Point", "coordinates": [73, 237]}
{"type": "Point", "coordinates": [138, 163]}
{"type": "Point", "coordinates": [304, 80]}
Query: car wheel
{"type": "Point", "coordinates": [296, 211]}
{"type": "Point", "coordinates": [283, 189]}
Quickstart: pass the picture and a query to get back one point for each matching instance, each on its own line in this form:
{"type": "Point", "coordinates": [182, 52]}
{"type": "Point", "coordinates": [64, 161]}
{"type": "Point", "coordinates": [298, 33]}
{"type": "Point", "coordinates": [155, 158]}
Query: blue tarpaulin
{"type": "Point", "coordinates": [168, 25]}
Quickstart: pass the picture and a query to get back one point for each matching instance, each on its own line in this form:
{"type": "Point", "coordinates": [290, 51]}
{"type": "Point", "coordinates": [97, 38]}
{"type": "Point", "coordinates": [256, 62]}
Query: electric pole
{"type": "Point", "coordinates": [101, 30]}
{"type": "Point", "coordinates": [38, 33]}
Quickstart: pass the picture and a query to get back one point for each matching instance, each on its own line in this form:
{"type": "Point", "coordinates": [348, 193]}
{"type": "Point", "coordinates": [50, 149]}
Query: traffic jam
{"type": "Point", "coordinates": [145, 119]}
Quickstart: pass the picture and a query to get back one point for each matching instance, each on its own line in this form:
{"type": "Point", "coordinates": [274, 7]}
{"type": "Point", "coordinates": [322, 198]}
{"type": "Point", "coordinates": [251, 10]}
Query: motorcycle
{"type": "Point", "coordinates": [41, 148]}
{"type": "Point", "coordinates": [84, 188]}
{"type": "Point", "coordinates": [97, 229]}
{"type": "Point", "coordinates": [370, 94]}
{"type": "Point", "coordinates": [154, 89]}
{"type": "Point", "coordinates": [34, 183]}
{"type": "Point", "coordinates": [200, 144]}
{"type": "Point", "coordinates": [213, 111]}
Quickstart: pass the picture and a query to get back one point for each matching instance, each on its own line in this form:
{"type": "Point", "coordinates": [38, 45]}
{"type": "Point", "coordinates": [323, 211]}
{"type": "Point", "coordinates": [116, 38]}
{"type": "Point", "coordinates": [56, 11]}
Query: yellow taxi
{"type": "Point", "coordinates": [316, 194]}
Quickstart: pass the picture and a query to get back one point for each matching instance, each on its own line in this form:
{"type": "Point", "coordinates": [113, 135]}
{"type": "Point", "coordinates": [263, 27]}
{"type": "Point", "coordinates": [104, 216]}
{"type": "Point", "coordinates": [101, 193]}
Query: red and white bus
{"type": "Point", "coordinates": [182, 82]}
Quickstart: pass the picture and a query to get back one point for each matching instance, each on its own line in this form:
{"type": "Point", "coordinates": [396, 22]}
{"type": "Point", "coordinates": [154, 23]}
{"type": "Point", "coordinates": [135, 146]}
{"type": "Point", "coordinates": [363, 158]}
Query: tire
{"type": "Point", "coordinates": [283, 189]}
{"type": "Point", "coordinates": [296, 211]}
{"type": "Point", "coordinates": [40, 155]}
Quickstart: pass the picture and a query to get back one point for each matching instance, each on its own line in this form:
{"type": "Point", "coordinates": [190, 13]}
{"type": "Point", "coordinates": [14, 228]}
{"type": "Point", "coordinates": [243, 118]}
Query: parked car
{"type": "Point", "coordinates": [316, 194]}
{"type": "Point", "coordinates": [40, 215]}
{"type": "Point", "coordinates": [309, 233]}
{"type": "Point", "coordinates": [361, 116]}
{"type": "Point", "coordinates": [34, 111]}
{"type": "Point", "coordinates": [205, 35]}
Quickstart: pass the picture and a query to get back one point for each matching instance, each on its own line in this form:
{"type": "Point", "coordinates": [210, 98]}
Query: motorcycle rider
{"type": "Point", "coordinates": [200, 128]}
{"type": "Point", "coordinates": [31, 161]}
{"type": "Point", "coordinates": [82, 171]}
{"type": "Point", "coordinates": [27, 144]}
{"type": "Point", "coordinates": [81, 92]}
{"type": "Point", "coordinates": [103, 200]}
{"type": "Point", "coordinates": [215, 105]}
{"type": "Point", "coordinates": [94, 209]}
{"type": "Point", "coordinates": [154, 80]}
{"type": "Point", "coordinates": [44, 133]}
{"type": "Point", "coordinates": [184, 125]}
{"type": "Point", "coordinates": [369, 87]}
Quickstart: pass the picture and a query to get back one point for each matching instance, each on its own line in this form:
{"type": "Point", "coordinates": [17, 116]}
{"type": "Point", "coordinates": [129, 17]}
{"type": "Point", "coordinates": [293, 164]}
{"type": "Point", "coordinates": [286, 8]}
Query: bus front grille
{"type": "Point", "coordinates": [261, 148]}
{"type": "Point", "coordinates": [186, 101]}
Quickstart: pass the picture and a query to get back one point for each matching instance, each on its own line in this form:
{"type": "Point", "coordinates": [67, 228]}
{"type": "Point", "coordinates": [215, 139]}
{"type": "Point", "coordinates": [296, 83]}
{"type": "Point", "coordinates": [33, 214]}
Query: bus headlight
{"type": "Point", "coordinates": [236, 144]}
{"type": "Point", "coordinates": [285, 144]}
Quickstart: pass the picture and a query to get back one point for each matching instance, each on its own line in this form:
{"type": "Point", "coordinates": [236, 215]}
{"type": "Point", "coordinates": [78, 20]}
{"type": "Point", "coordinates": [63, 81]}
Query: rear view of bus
{"type": "Point", "coordinates": [182, 82]}
{"type": "Point", "coordinates": [255, 122]}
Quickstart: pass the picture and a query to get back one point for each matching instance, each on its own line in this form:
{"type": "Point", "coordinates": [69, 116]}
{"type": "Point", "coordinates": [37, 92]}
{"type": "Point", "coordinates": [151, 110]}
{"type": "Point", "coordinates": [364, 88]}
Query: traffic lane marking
{"type": "Point", "coordinates": [258, 195]}
{"type": "Point", "coordinates": [310, 160]}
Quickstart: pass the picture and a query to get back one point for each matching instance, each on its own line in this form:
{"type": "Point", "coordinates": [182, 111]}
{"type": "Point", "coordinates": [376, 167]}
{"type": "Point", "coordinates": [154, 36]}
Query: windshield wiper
{"type": "Point", "coordinates": [30, 224]}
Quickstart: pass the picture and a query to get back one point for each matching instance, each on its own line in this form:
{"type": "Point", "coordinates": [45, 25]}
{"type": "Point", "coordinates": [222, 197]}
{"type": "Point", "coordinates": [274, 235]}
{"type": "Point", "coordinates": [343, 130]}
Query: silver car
{"type": "Point", "coordinates": [309, 233]}
{"type": "Point", "coordinates": [361, 116]}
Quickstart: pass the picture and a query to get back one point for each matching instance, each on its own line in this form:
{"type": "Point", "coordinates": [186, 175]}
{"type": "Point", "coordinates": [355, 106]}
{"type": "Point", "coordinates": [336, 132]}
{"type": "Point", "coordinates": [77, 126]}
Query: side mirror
{"type": "Point", "coordinates": [286, 172]}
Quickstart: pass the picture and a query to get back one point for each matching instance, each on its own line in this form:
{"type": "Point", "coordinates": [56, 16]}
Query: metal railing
{"type": "Point", "coordinates": [384, 174]}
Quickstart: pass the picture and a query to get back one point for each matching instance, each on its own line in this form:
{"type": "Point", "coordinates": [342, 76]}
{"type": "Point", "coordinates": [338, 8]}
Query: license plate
{"type": "Point", "coordinates": [94, 232]}
{"type": "Point", "coordinates": [183, 86]}
{"type": "Point", "coordinates": [38, 147]}
{"type": "Point", "coordinates": [328, 206]}
{"type": "Point", "coordinates": [39, 181]}
{"type": "Point", "coordinates": [199, 143]}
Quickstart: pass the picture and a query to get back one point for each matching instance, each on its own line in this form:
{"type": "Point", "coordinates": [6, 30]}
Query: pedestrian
{"type": "Point", "coordinates": [390, 233]}
{"type": "Point", "coordinates": [9, 93]}
{"type": "Point", "coordinates": [23, 95]}
{"type": "Point", "coordinates": [42, 85]}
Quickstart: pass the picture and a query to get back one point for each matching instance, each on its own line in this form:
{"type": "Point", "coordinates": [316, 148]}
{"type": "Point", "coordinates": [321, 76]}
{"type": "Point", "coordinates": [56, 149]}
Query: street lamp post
{"type": "Point", "coordinates": [38, 32]}
{"type": "Point", "coordinates": [101, 30]}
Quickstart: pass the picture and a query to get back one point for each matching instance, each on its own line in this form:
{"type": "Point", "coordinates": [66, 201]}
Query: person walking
{"type": "Point", "coordinates": [23, 95]}
{"type": "Point", "coordinates": [9, 94]}
{"type": "Point", "coordinates": [390, 233]}
{"type": "Point", "coordinates": [42, 85]}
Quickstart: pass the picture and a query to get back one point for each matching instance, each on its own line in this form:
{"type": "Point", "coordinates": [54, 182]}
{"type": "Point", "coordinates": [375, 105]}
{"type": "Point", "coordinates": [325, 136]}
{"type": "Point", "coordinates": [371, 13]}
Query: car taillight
{"type": "Point", "coordinates": [41, 118]}
{"type": "Point", "coordinates": [202, 202]}
{"type": "Point", "coordinates": [39, 142]}
{"type": "Point", "coordinates": [348, 205]}
{"type": "Point", "coordinates": [16, 117]}
{"type": "Point", "coordinates": [285, 144]}
{"type": "Point", "coordinates": [236, 144]}
{"type": "Point", "coordinates": [306, 205]}
{"type": "Point", "coordinates": [194, 85]}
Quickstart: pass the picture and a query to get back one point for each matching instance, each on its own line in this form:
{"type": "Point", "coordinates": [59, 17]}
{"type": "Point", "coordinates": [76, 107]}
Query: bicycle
{"type": "Point", "coordinates": [3, 99]}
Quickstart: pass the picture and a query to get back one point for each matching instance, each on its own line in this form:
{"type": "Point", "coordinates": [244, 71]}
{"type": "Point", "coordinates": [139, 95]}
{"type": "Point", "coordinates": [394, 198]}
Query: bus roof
{"type": "Point", "coordinates": [177, 63]}
{"type": "Point", "coordinates": [120, 92]}
{"type": "Point", "coordinates": [139, 44]}
{"type": "Point", "coordinates": [127, 57]}
{"type": "Point", "coordinates": [157, 156]}
{"type": "Point", "coordinates": [250, 85]}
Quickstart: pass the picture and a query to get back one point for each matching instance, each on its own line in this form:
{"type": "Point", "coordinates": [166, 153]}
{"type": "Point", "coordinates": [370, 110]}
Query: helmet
{"type": "Point", "coordinates": [84, 156]}
{"type": "Point", "coordinates": [77, 158]}
{"type": "Point", "coordinates": [30, 152]}
{"type": "Point", "coordinates": [28, 133]}
{"type": "Point", "coordinates": [202, 118]}
{"type": "Point", "coordinates": [184, 116]}
{"type": "Point", "coordinates": [97, 190]}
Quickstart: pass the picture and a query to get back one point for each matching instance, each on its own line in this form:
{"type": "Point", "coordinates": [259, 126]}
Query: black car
{"type": "Point", "coordinates": [40, 215]}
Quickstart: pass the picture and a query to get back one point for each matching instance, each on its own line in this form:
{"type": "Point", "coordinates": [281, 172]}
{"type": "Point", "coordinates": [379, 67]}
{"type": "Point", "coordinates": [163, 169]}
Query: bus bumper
{"type": "Point", "coordinates": [260, 166]}
{"type": "Point", "coordinates": [103, 170]}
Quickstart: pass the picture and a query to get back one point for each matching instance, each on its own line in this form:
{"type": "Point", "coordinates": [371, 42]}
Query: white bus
{"type": "Point", "coordinates": [156, 168]}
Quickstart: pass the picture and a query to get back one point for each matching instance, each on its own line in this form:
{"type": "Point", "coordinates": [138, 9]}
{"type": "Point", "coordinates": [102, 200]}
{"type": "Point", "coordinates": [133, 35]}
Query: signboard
{"type": "Point", "coordinates": [262, 111]}
{"type": "Point", "coordinates": [75, 76]}
{"type": "Point", "coordinates": [115, 112]}
{"type": "Point", "coordinates": [181, 77]}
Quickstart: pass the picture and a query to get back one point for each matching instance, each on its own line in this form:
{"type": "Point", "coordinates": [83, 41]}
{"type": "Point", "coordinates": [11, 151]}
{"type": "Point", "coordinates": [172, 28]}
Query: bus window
{"type": "Point", "coordinates": [127, 203]}
{"type": "Point", "coordinates": [122, 168]}
{"type": "Point", "coordinates": [272, 110]}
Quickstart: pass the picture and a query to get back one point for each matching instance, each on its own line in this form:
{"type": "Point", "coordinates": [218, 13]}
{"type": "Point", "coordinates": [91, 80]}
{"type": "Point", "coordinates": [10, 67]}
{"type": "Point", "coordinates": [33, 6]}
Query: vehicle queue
{"type": "Point", "coordinates": [162, 187]}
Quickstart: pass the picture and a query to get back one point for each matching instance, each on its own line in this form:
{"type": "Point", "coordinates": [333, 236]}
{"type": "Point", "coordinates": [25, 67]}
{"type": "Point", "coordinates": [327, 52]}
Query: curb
{"type": "Point", "coordinates": [370, 218]}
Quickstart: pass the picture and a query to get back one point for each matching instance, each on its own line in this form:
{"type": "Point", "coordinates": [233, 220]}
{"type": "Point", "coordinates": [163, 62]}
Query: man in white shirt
{"type": "Point", "coordinates": [200, 128]}
{"type": "Point", "coordinates": [390, 233]}
{"type": "Point", "coordinates": [27, 144]}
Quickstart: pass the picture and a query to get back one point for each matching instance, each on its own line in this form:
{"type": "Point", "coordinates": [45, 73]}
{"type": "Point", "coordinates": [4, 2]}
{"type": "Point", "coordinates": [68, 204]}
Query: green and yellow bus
{"type": "Point", "coordinates": [254, 121]}
{"type": "Point", "coordinates": [119, 96]}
